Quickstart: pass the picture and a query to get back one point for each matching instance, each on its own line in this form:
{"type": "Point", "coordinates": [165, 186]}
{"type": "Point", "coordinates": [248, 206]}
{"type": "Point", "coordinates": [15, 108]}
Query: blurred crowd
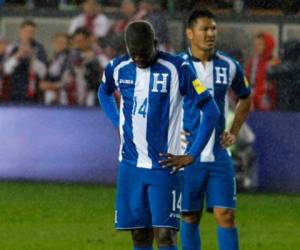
{"type": "Point", "coordinates": [71, 75]}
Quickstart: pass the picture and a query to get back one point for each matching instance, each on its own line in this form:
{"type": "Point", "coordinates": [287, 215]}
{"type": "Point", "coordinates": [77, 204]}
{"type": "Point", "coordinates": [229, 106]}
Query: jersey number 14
{"type": "Point", "coordinates": [140, 108]}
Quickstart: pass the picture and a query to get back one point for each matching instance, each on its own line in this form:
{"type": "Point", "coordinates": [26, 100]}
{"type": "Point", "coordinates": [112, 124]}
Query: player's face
{"type": "Point", "coordinates": [142, 56]}
{"type": "Point", "coordinates": [203, 34]}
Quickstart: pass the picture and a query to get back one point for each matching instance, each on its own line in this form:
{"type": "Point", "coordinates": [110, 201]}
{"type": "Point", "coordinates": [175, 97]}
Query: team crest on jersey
{"type": "Point", "coordinates": [221, 75]}
{"type": "Point", "coordinates": [162, 80]}
{"type": "Point", "coordinates": [199, 87]}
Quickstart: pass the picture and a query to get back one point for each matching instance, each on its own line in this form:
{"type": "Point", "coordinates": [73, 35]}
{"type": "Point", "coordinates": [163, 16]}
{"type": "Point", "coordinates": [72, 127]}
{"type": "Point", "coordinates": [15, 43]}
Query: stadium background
{"type": "Point", "coordinates": [58, 164]}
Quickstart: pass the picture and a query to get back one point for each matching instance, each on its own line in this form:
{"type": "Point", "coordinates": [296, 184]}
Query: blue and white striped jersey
{"type": "Point", "coordinates": [218, 75]}
{"type": "Point", "coordinates": [151, 105]}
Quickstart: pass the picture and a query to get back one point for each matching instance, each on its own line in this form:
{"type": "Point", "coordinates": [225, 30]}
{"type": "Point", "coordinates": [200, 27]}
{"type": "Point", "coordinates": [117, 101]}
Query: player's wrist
{"type": "Point", "coordinates": [192, 156]}
{"type": "Point", "coordinates": [234, 133]}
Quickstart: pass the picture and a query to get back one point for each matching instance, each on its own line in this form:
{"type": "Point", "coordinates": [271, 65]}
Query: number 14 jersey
{"type": "Point", "coordinates": [151, 105]}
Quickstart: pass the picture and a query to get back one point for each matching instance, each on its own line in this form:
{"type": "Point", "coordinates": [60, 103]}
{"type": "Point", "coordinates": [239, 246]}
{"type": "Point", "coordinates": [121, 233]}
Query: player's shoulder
{"type": "Point", "coordinates": [176, 60]}
{"type": "Point", "coordinates": [234, 65]}
{"type": "Point", "coordinates": [221, 55]}
{"type": "Point", "coordinates": [118, 61]}
{"type": "Point", "coordinates": [184, 55]}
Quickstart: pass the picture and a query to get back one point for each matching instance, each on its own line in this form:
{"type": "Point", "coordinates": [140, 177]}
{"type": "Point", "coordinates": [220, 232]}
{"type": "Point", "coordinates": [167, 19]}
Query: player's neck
{"type": "Point", "coordinates": [202, 55]}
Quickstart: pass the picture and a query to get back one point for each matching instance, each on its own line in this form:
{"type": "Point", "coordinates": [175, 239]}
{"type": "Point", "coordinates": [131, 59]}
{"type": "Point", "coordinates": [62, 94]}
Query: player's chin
{"type": "Point", "coordinates": [210, 45]}
{"type": "Point", "coordinates": [141, 64]}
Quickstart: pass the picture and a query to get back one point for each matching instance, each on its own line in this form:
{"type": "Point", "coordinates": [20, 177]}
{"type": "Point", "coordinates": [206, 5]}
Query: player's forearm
{"type": "Point", "coordinates": [211, 115]}
{"type": "Point", "coordinates": [241, 112]}
{"type": "Point", "coordinates": [109, 106]}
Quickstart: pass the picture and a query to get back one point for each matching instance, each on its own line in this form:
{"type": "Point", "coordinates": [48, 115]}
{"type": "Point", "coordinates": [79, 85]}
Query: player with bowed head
{"type": "Point", "coordinates": [152, 86]}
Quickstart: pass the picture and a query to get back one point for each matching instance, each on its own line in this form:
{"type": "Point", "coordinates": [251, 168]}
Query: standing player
{"type": "Point", "coordinates": [212, 177]}
{"type": "Point", "coordinates": [152, 85]}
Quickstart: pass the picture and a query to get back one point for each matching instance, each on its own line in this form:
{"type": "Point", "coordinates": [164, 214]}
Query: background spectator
{"type": "Point", "coordinates": [150, 10]}
{"type": "Point", "coordinates": [83, 69]}
{"type": "Point", "coordinates": [26, 65]}
{"type": "Point", "coordinates": [91, 19]}
{"type": "Point", "coordinates": [264, 95]}
{"type": "Point", "coordinates": [127, 12]}
{"type": "Point", "coordinates": [54, 86]}
{"type": "Point", "coordinates": [287, 77]}
{"type": "Point", "coordinates": [4, 79]}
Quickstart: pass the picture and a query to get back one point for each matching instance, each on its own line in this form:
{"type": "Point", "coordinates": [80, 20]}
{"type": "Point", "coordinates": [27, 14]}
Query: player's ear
{"type": "Point", "coordinates": [189, 33]}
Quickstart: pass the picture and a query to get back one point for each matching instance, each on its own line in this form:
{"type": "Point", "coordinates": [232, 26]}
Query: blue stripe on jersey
{"type": "Point", "coordinates": [126, 77]}
{"type": "Point", "coordinates": [159, 123]}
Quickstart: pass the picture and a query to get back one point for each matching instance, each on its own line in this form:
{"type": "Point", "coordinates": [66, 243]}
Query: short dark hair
{"type": "Point", "coordinates": [139, 32]}
{"type": "Point", "coordinates": [81, 31]}
{"type": "Point", "coordinates": [28, 23]}
{"type": "Point", "coordinates": [199, 13]}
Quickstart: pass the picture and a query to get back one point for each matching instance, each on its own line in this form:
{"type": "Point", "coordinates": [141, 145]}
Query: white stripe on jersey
{"type": "Point", "coordinates": [175, 113]}
{"type": "Point", "coordinates": [116, 70]}
{"type": "Point", "coordinates": [232, 72]}
{"type": "Point", "coordinates": [226, 111]}
{"type": "Point", "coordinates": [122, 117]}
{"type": "Point", "coordinates": [121, 124]}
{"type": "Point", "coordinates": [206, 76]}
{"type": "Point", "coordinates": [207, 154]}
{"type": "Point", "coordinates": [232, 66]}
{"type": "Point", "coordinates": [139, 122]}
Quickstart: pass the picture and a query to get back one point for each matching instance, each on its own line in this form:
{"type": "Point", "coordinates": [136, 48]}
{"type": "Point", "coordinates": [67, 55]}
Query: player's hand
{"type": "Point", "coordinates": [176, 162]}
{"type": "Point", "coordinates": [227, 139]}
{"type": "Point", "coordinates": [183, 138]}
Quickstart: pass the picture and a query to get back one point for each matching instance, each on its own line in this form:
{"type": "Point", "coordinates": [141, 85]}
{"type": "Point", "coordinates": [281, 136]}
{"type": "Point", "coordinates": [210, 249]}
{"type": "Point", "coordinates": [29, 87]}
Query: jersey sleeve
{"type": "Point", "coordinates": [240, 84]}
{"type": "Point", "coordinates": [190, 85]}
{"type": "Point", "coordinates": [108, 80]}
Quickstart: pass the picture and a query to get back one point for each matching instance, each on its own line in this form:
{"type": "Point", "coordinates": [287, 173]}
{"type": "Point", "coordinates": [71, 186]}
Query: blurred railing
{"type": "Point", "coordinates": [235, 31]}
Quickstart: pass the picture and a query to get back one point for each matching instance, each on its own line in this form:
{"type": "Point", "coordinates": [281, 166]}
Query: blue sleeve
{"type": "Point", "coordinates": [108, 104]}
{"type": "Point", "coordinates": [240, 84]}
{"type": "Point", "coordinates": [108, 78]}
{"type": "Point", "coordinates": [210, 118]}
{"type": "Point", "coordinates": [106, 99]}
{"type": "Point", "coordinates": [190, 85]}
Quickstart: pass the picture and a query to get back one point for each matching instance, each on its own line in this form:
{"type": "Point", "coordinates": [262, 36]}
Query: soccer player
{"type": "Point", "coordinates": [152, 85]}
{"type": "Point", "coordinates": [212, 177]}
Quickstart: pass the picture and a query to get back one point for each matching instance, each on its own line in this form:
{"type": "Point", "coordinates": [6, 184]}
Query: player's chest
{"type": "Point", "coordinates": [144, 82]}
{"type": "Point", "coordinates": [214, 76]}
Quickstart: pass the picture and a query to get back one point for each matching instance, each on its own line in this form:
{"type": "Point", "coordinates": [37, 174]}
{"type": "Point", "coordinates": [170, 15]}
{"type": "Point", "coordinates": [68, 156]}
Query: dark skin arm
{"type": "Point", "coordinates": [176, 162]}
{"type": "Point", "coordinates": [241, 112]}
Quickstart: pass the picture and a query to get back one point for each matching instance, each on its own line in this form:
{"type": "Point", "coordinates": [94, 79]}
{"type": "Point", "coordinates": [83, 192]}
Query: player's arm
{"type": "Point", "coordinates": [241, 87]}
{"type": "Point", "coordinates": [105, 95]}
{"type": "Point", "coordinates": [211, 113]}
{"type": "Point", "coordinates": [210, 117]}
